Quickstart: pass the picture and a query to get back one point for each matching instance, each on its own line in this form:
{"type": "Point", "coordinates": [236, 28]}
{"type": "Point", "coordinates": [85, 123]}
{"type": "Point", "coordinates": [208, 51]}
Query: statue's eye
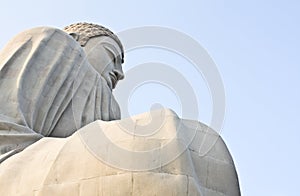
{"type": "Point", "coordinates": [111, 55]}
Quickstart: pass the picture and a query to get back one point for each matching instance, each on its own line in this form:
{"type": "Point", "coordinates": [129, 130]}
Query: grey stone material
{"type": "Point", "coordinates": [51, 86]}
{"type": "Point", "coordinates": [83, 32]}
{"type": "Point", "coordinates": [81, 164]}
{"type": "Point", "coordinates": [61, 132]}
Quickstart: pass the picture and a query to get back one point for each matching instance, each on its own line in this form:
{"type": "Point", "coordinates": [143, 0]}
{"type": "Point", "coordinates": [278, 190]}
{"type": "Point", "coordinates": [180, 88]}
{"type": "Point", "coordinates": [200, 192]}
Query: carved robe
{"type": "Point", "coordinates": [48, 88]}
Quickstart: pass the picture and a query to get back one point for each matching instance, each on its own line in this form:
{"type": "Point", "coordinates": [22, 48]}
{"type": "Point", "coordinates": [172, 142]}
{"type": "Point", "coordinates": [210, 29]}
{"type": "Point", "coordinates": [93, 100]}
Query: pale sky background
{"type": "Point", "coordinates": [255, 45]}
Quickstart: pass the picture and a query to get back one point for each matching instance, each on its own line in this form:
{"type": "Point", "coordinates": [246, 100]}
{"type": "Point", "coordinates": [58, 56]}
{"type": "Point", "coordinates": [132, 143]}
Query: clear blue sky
{"type": "Point", "coordinates": [255, 45]}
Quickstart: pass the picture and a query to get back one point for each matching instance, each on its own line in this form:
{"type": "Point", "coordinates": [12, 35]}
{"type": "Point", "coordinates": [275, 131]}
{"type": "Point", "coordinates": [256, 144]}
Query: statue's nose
{"type": "Point", "coordinates": [119, 74]}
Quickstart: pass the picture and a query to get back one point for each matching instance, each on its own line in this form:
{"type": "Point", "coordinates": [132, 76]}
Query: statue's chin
{"type": "Point", "coordinates": [109, 83]}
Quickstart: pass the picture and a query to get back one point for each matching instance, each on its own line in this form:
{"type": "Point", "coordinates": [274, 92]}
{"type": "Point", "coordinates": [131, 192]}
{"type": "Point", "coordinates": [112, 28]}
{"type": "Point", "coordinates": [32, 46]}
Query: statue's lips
{"type": "Point", "coordinates": [114, 79]}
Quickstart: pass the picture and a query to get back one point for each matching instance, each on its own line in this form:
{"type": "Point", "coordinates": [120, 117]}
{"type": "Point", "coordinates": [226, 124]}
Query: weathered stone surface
{"type": "Point", "coordinates": [52, 86]}
{"type": "Point", "coordinates": [85, 163]}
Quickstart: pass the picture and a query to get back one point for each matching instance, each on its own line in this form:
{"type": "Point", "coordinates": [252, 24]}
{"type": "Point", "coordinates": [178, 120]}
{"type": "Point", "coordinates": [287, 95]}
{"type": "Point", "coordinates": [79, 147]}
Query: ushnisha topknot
{"type": "Point", "coordinates": [88, 30]}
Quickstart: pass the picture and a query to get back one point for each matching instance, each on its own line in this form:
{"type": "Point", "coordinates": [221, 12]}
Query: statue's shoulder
{"type": "Point", "coordinates": [37, 36]}
{"type": "Point", "coordinates": [43, 30]}
{"type": "Point", "coordinates": [43, 33]}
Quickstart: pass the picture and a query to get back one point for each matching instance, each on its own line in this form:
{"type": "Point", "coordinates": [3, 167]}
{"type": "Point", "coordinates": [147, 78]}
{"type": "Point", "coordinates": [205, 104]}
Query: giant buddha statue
{"type": "Point", "coordinates": [61, 132]}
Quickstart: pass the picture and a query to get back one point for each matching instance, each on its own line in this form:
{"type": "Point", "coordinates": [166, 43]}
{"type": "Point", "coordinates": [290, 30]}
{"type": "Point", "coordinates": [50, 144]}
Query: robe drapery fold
{"type": "Point", "coordinates": [48, 88]}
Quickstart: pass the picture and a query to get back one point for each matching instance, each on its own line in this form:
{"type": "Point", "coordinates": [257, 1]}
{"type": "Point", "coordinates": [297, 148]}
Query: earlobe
{"type": "Point", "coordinates": [75, 36]}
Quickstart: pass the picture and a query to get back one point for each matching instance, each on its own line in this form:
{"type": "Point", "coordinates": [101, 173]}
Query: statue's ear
{"type": "Point", "coordinates": [75, 36]}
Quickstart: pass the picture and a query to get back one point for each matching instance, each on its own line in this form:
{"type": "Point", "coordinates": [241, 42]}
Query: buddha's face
{"type": "Point", "coordinates": [104, 54]}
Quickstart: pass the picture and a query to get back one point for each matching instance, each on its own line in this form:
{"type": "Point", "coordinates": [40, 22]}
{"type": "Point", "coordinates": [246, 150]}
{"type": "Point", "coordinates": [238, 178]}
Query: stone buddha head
{"type": "Point", "coordinates": [103, 49]}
